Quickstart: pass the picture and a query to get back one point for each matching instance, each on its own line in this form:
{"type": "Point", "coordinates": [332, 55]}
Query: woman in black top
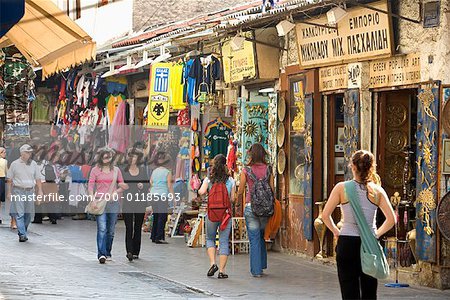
{"type": "Point", "coordinates": [134, 203]}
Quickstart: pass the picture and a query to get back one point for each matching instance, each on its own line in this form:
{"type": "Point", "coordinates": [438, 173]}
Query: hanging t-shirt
{"type": "Point", "coordinates": [189, 82]}
{"type": "Point", "coordinates": [112, 102]}
{"type": "Point", "coordinates": [176, 87]}
{"type": "Point", "coordinates": [218, 136]}
{"type": "Point", "coordinates": [40, 109]}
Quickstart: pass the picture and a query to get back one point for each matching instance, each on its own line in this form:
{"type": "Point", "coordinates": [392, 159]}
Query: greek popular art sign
{"type": "Point", "coordinates": [158, 102]}
{"type": "Point", "coordinates": [362, 34]}
{"type": "Point", "coordinates": [395, 71]}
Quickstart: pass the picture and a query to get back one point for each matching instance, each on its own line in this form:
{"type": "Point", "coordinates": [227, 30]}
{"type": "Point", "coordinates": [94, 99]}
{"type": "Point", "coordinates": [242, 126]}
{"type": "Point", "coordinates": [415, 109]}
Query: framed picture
{"type": "Point", "coordinates": [446, 157]}
{"type": "Point", "coordinates": [339, 166]}
{"type": "Point", "coordinates": [340, 140]}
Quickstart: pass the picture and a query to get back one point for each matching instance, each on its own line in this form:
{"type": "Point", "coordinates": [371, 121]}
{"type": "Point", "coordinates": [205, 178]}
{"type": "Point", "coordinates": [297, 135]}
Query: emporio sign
{"type": "Point", "coordinates": [362, 34]}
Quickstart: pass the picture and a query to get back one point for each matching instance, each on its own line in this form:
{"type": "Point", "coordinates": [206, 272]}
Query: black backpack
{"type": "Point", "coordinates": [261, 196]}
{"type": "Point", "coordinates": [49, 173]}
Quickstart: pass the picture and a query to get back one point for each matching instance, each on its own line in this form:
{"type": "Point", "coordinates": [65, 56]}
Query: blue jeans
{"type": "Point", "coordinates": [255, 230]}
{"type": "Point", "coordinates": [106, 224]}
{"type": "Point", "coordinates": [224, 237]}
{"type": "Point", "coordinates": [23, 211]}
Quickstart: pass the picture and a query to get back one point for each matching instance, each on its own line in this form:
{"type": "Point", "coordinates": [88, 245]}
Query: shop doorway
{"type": "Point", "coordinates": [397, 115]}
{"type": "Point", "coordinates": [397, 126]}
{"type": "Point", "coordinates": [336, 140]}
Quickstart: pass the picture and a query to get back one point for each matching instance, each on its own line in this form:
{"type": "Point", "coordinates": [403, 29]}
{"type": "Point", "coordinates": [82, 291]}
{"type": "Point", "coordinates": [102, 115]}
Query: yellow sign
{"type": "Point", "coordinates": [242, 62]}
{"type": "Point", "coordinates": [362, 34]}
{"type": "Point", "coordinates": [159, 97]}
{"type": "Point", "coordinates": [394, 71]}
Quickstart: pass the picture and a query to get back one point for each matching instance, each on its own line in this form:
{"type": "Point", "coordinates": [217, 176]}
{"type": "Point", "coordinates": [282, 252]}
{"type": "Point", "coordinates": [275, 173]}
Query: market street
{"type": "Point", "coordinates": [59, 261]}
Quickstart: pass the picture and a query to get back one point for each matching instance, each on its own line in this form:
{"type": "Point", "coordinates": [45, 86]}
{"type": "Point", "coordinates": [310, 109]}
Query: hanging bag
{"type": "Point", "coordinates": [97, 207]}
{"type": "Point", "coordinates": [373, 261]}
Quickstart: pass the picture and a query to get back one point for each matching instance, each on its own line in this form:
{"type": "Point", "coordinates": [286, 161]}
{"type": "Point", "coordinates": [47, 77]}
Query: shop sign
{"type": "Point", "coordinates": [238, 65]}
{"type": "Point", "coordinates": [158, 102]}
{"type": "Point", "coordinates": [362, 34]}
{"type": "Point", "coordinates": [395, 71]}
{"type": "Point", "coordinates": [340, 77]}
{"type": "Point", "coordinates": [333, 78]}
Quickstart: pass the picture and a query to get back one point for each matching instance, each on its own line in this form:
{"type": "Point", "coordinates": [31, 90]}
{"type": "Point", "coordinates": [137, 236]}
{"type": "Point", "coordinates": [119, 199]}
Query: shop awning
{"type": "Point", "coordinates": [47, 37]}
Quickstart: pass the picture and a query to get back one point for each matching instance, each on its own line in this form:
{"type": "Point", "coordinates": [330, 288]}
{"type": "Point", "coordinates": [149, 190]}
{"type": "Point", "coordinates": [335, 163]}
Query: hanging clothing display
{"type": "Point", "coordinates": [205, 70]}
{"type": "Point", "coordinates": [119, 131]}
{"type": "Point", "coordinates": [18, 78]}
{"type": "Point", "coordinates": [40, 108]}
{"type": "Point", "coordinates": [189, 82]}
{"type": "Point", "coordinates": [112, 103]}
{"type": "Point", "coordinates": [218, 134]}
{"type": "Point", "coordinates": [176, 87]}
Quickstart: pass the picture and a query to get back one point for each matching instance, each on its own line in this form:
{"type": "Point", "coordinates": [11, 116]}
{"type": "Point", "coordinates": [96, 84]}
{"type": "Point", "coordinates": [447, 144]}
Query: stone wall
{"type": "Point", "coordinates": [434, 42]}
{"type": "Point", "coordinates": [151, 12]}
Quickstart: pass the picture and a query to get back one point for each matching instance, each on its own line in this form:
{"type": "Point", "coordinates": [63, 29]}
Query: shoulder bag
{"type": "Point", "coordinates": [373, 261]}
{"type": "Point", "coordinates": [97, 207]}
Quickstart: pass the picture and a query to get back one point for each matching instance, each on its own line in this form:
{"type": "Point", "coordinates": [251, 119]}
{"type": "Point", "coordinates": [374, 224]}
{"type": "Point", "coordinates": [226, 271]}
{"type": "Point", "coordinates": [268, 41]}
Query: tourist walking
{"type": "Point", "coordinates": [106, 183]}
{"type": "Point", "coordinates": [22, 177]}
{"type": "Point", "coordinates": [258, 181]}
{"type": "Point", "coordinates": [353, 282]}
{"type": "Point", "coordinates": [161, 182]}
{"type": "Point", "coordinates": [220, 188]}
{"type": "Point", "coordinates": [135, 200]}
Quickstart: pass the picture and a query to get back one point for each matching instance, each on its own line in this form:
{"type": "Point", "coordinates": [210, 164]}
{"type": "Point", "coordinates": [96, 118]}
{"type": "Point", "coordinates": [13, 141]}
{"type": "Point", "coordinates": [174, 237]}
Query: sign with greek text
{"type": "Point", "coordinates": [362, 34]}
{"type": "Point", "coordinates": [395, 71]}
{"type": "Point", "coordinates": [333, 78]}
{"type": "Point", "coordinates": [238, 65]}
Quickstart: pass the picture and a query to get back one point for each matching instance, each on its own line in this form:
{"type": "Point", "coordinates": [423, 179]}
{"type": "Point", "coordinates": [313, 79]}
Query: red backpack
{"type": "Point", "coordinates": [218, 202]}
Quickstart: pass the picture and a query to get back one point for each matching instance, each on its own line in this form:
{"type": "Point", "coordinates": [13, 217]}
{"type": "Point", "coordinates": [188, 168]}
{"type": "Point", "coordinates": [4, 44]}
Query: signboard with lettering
{"type": "Point", "coordinates": [340, 77]}
{"type": "Point", "coordinates": [242, 62]}
{"type": "Point", "coordinates": [159, 96]}
{"type": "Point", "coordinates": [395, 71]}
{"type": "Point", "coordinates": [362, 34]}
{"type": "Point", "coordinates": [333, 78]}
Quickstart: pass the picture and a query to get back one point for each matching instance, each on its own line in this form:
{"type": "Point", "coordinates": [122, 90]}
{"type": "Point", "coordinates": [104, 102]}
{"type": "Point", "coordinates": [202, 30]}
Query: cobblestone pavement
{"type": "Point", "coordinates": [59, 262]}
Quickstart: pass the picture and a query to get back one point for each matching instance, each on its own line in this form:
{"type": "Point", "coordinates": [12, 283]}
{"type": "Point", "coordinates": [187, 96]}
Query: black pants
{"type": "Point", "coordinates": [159, 223]}
{"type": "Point", "coordinates": [2, 189]}
{"type": "Point", "coordinates": [133, 228]}
{"type": "Point", "coordinates": [41, 211]}
{"type": "Point", "coordinates": [354, 283]}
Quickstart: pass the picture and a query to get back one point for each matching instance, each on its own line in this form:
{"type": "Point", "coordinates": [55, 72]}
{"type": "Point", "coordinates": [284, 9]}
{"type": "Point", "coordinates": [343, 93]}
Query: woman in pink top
{"type": "Point", "coordinates": [102, 184]}
{"type": "Point", "coordinates": [255, 225]}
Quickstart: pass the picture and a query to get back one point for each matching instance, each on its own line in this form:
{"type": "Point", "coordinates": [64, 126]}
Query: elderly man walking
{"type": "Point", "coordinates": [22, 177]}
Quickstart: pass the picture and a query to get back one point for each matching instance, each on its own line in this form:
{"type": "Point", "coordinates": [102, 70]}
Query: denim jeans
{"type": "Point", "coordinates": [158, 227]}
{"type": "Point", "coordinates": [224, 237]}
{"type": "Point", "coordinates": [106, 224]}
{"type": "Point", "coordinates": [255, 230]}
{"type": "Point", "coordinates": [23, 211]}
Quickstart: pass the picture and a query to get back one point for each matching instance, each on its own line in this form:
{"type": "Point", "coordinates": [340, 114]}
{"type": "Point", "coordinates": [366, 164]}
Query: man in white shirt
{"type": "Point", "coordinates": [22, 177]}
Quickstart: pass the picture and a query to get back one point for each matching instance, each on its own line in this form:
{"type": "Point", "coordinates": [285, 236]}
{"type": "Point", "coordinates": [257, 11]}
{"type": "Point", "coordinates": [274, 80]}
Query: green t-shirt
{"type": "Point", "coordinates": [218, 137]}
{"type": "Point", "coordinates": [41, 109]}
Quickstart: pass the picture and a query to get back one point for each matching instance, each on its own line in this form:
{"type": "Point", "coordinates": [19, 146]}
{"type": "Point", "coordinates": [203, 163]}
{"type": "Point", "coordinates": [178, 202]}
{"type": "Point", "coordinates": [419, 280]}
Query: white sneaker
{"type": "Point", "coordinates": [102, 259]}
{"type": "Point", "coordinates": [108, 258]}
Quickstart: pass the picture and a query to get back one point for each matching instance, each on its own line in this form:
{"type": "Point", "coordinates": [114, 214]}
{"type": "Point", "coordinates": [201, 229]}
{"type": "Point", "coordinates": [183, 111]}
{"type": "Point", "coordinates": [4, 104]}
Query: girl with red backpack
{"type": "Point", "coordinates": [220, 188]}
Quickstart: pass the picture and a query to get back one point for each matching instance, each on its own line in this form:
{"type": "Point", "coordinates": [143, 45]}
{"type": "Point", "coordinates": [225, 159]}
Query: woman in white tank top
{"type": "Point", "coordinates": [354, 283]}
